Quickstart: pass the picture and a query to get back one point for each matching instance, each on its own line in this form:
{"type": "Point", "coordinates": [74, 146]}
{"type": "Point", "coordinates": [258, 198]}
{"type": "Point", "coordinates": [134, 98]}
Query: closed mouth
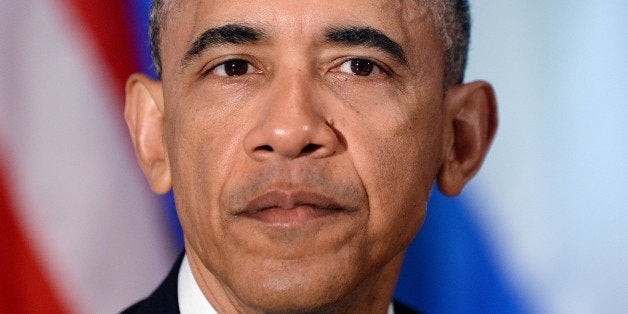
{"type": "Point", "coordinates": [282, 207]}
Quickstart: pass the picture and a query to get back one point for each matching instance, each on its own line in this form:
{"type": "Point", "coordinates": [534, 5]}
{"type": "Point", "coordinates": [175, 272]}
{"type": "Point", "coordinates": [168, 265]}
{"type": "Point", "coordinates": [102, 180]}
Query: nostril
{"type": "Point", "coordinates": [265, 148]}
{"type": "Point", "coordinates": [310, 148]}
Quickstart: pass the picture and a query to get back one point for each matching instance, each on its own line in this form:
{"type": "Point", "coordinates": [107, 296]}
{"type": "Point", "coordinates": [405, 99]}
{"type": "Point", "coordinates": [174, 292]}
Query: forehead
{"type": "Point", "coordinates": [404, 9]}
{"type": "Point", "coordinates": [400, 12]}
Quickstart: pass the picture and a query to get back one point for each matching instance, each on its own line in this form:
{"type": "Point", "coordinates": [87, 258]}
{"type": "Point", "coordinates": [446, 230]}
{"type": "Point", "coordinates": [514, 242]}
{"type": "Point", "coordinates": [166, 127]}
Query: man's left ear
{"type": "Point", "coordinates": [470, 122]}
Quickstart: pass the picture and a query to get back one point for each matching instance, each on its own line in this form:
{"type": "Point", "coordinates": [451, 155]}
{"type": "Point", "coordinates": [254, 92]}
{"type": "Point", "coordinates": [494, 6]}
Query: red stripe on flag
{"type": "Point", "coordinates": [24, 287]}
{"type": "Point", "coordinates": [108, 24]}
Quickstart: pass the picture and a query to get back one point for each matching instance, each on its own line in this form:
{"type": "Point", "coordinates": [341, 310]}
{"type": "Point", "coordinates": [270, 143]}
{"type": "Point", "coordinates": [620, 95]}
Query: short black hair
{"type": "Point", "coordinates": [452, 18]}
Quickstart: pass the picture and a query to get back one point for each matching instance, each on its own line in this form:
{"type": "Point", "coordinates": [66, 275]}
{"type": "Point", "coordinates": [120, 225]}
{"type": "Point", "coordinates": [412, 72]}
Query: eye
{"type": "Point", "coordinates": [360, 67]}
{"type": "Point", "coordinates": [233, 67]}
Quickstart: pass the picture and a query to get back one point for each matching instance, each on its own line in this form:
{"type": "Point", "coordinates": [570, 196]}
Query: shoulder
{"type": "Point", "coordinates": [164, 299]}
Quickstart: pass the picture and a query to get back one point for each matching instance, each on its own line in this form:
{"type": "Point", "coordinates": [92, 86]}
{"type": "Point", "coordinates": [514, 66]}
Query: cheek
{"type": "Point", "coordinates": [397, 158]}
{"type": "Point", "coordinates": [203, 134]}
{"type": "Point", "coordinates": [200, 155]}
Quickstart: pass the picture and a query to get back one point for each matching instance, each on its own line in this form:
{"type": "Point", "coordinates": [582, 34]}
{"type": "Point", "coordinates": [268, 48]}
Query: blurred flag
{"type": "Point", "coordinates": [81, 232]}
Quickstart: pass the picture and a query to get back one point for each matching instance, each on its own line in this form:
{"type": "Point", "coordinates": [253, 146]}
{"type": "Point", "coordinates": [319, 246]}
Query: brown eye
{"type": "Point", "coordinates": [235, 67]}
{"type": "Point", "coordinates": [360, 67]}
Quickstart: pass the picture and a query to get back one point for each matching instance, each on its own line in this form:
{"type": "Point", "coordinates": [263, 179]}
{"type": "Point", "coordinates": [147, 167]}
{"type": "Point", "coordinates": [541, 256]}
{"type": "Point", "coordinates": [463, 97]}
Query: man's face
{"type": "Point", "coordinates": [302, 141]}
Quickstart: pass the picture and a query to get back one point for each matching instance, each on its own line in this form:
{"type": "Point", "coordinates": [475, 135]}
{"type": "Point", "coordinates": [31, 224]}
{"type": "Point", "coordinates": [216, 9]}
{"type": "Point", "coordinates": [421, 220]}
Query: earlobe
{"type": "Point", "coordinates": [470, 123]}
{"type": "Point", "coordinates": [144, 115]}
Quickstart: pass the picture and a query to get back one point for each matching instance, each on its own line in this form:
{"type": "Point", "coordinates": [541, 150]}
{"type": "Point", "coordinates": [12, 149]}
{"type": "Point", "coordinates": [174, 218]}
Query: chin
{"type": "Point", "coordinates": [289, 287]}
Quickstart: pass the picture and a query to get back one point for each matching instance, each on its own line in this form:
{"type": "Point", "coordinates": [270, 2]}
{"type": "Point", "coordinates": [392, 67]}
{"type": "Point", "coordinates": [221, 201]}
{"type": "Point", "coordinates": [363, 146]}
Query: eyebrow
{"type": "Point", "coordinates": [229, 34]}
{"type": "Point", "coordinates": [367, 37]}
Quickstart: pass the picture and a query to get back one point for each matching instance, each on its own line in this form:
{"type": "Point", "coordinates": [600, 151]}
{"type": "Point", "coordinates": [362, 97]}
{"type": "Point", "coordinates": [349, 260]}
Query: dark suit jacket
{"type": "Point", "coordinates": [164, 300]}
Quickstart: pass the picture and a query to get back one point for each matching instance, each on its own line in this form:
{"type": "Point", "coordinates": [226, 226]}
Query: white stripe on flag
{"type": "Point", "coordinates": [96, 225]}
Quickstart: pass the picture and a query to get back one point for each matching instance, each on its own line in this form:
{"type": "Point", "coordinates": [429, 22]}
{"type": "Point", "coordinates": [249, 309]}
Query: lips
{"type": "Point", "coordinates": [281, 207]}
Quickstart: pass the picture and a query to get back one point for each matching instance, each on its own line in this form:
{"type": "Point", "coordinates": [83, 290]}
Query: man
{"type": "Point", "coordinates": [301, 139]}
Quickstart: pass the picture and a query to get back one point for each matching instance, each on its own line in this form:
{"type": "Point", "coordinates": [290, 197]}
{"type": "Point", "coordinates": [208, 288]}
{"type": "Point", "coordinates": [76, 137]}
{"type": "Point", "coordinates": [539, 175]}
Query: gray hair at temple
{"type": "Point", "coordinates": [451, 16]}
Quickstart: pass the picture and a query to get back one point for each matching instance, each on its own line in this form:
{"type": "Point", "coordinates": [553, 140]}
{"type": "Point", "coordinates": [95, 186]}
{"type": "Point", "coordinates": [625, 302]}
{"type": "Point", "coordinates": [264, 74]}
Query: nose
{"type": "Point", "coordinates": [291, 125]}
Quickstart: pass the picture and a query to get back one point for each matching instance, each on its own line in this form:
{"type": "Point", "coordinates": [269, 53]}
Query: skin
{"type": "Point", "coordinates": [300, 121]}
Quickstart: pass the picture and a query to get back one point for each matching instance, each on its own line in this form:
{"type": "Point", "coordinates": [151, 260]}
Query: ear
{"type": "Point", "coordinates": [144, 115]}
{"type": "Point", "coordinates": [470, 124]}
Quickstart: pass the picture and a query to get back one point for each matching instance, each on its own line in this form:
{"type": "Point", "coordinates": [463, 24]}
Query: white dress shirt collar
{"type": "Point", "coordinates": [191, 298]}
